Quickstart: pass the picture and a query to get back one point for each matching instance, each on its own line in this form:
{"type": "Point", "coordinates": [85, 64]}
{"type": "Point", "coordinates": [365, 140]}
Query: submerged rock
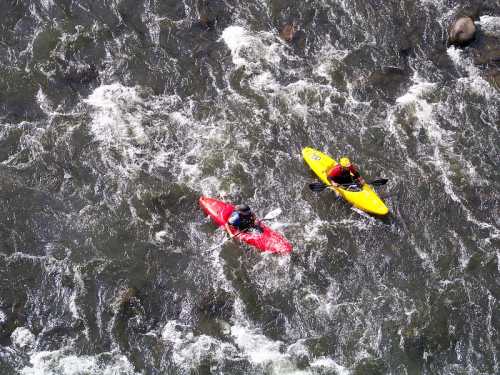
{"type": "Point", "coordinates": [461, 32]}
{"type": "Point", "coordinates": [287, 32]}
{"type": "Point", "coordinates": [291, 34]}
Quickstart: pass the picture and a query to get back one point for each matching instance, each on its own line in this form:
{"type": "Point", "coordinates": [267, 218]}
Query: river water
{"type": "Point", "coordinates": [116, 115]}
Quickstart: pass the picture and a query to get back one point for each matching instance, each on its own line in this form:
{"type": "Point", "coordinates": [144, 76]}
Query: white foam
{"type": "Point", "coordinates": [456, 55]}
{"type": "Point", "coordinates": [473, 81]}
{"type": "Point", "coordinates": [115, 120]}
{"type": "Point", "coordinates": [415, 93]}
{"type": "Point", "coordinates": [160, 236]}
{"type": "Point", "coordinates": [441, 138]}
{"type": "Point", "coordinates": [265, 81]}
{"type": "Point", "coordinates": [172, 331]}
{"type": "Point", "coordinates": [330, 363]}
{"type": "Point", "coordinates": [78, 288]}
{"type": "Point", "coordinates": [273, 355]}
{"type": "Point", "coordinates": [490, 25]}
{"type": "Point", "coordinates": [327, 56]}
{"type": "Point", "coordinates": [47, 4]}
{"type": "Point", "coordinates": [236, 38]}
{"type": "Point", "coordinates": [257, 346]}
{"type": "Point", "coordinates": [269, 354]}
{"type": "Point", "coordinates": [312, 229]}
{"type": "Point", "coordinates": [44, 102]}
{"type": "Point", "coordinates": [189, 349]}
{"type": "Point", "coordinates": [252, 49]}
{"type": "Point", "coordinates": [61, 363]}
{"type": "Point", "coordinates": [298, 350]}
{"type": "Point", "coordinates": [22, 338]}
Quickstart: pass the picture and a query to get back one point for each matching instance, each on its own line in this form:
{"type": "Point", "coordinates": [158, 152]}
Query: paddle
{"type": "Point", "coordinates": [319, 186]}
{"type": "Point", "coordinates": [270, 215]}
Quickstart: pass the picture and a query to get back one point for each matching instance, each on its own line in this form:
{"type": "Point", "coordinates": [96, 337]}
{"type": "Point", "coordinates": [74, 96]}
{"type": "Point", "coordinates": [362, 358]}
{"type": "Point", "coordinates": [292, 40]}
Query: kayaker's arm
{"type": "Point", "coordinates": [332, 181]}
{"type": "Point", "coordinates": [357, 176]}
{"type": "Point", "coordinates": [228, 230]}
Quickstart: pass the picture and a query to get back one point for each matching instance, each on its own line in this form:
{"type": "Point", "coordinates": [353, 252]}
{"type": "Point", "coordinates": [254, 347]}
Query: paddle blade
{"type": "Point", "coordinates": [317, 186]}
{"type": "Point", "coordinates": [218, 245]}
{"type": "Point", "coordinates": [273, 214]}
{"type": "Point", "coordinates": [379, 182]}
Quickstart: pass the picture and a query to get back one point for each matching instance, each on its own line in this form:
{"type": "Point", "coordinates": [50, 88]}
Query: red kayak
{"type": "Point", "coordinates": [267, 240]}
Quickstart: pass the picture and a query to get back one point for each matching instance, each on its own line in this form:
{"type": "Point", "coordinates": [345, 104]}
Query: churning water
{"type": "Point", "coordinates": [116, 115]}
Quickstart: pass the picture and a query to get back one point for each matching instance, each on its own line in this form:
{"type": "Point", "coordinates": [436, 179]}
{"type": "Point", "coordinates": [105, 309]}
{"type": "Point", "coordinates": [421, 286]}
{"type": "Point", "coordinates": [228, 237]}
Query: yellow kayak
{"type": "Point", "coordinates": [365, 199]}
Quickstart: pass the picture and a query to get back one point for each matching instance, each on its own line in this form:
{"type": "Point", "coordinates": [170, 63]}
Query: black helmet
{"type": "Point", "coordinates": [243, 208]}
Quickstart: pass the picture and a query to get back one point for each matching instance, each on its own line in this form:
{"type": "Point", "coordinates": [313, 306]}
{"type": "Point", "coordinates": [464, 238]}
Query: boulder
{"type": "Point", "coordinates": [461, 32]}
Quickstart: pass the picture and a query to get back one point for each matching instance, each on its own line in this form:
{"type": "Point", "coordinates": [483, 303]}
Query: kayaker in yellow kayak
{"type": "Point", "coordinates": [345, 173]}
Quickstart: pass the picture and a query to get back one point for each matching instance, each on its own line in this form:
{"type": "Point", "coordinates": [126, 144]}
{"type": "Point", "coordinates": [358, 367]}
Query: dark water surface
{"type": "Point", "coordinates": [115, 116]}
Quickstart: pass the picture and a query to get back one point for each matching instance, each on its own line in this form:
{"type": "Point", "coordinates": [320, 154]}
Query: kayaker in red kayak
{"type": "Point", "coordinates": [242, 219]}
{"type": "Point", "coordinates": [345, 173]}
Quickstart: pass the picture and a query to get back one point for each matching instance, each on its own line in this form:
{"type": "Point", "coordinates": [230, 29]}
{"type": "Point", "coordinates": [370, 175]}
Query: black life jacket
{"type": "Point", "coordinates": [345, 177]}
{"type": "Point", "coordinates": [246, 220]}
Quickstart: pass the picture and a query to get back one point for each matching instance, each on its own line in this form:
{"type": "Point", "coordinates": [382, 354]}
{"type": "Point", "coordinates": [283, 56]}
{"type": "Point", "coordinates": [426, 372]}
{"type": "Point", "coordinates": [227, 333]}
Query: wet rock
{"type": "Point", "coordinates": [287, 32]}
{"type": "Point", "coordinates": [461, 31]}
{"type": "Point", "coordinates": [291, 34]}
{"type": "Point", "coordinates": [205, 21]}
